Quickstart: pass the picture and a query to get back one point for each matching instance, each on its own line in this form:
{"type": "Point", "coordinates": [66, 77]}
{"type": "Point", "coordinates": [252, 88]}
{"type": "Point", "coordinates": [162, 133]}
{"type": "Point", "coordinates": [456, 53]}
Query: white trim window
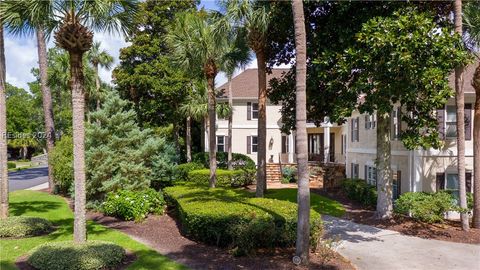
{"type": "Point", "coordinates": [254, 144]}
{"type": "Point", "coordinates": [450, 122]}
{"type": "Point", "coordinates": [371, 175]}
{"type": "Point", "coordinates": [254, 110]}
{"type": "Point", "coordinates": [221, 143]}
{"type": "Point", "coordinates": [354, 170]}
{"type": "Point", "coordinates": [452, 185]}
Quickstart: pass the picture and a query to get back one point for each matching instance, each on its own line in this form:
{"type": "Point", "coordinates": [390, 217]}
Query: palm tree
{"type": "Point", "coordinates": [98, 57]}
{"type": "Point", "coordinates": [3, 132]}
{"type": "Point", "coordinates": [254, 19]}
{"type": "Point", "coordinates": [303, 224]}
{"type": "Point", "coordinates": [471, 17]}
{"type": "Point", "coordinates": [200, 42]}
{"type": "Point", "coordinates": [460, 104]}
{"type": "Point", "coordinates": [75, 21]}
{"type": "Point", "coordinates": [237, 57]}
{"type": "Point", "coordinates": [20, 20]}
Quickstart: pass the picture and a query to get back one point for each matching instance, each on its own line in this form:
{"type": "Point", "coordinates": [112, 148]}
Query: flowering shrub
{"type": "Point", "coordinates": [133, 205]}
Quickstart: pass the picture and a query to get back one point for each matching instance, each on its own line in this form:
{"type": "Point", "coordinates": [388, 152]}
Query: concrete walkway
{"type": "Point", "coordinates": [371, 248]}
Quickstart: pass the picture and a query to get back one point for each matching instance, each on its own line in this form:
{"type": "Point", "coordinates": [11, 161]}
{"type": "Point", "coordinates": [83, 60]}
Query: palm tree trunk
{"type": "Point", "coordinates": [384, 172]}
{"type": "Point", "coordinates": [189, 139]}
{"type": "Point", "coordinates": [212, 143]}
{"type": "Point", "coordinates": [230, 120]}
{"type": "Point", "coordinates": [3, 133]}
{"type": "Point", "coordinates": [460, 103]}
{"type": "Point", "coordinates": [476, 150]}
{"type": "Point", "coordinates": [303, 196]}
{"type": "Point", "coordinates": [78, 107]}
{"type": "Point", "coordinates": [97, 85]}
{"type": "Point", "coordinates": [262, 126]}
{"type": "Point", "coordinates": [47, 102]}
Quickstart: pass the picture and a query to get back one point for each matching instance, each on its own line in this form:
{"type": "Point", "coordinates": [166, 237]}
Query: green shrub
{"type": "Point", "coordinates": [359, 191]}
{"type": "Point", "coordinates": [225, 178]}
{"type": "Point", "coordinates": [11, 165]}
{"type": "Point", "coordinates": [181, 171]}
{"type": "Point", "coordinates": [234, 218]}
{"type": "Point", "coordinates": [426, 207]}
{"type": "Point", "coordinates": [92, 255]}
{"type": "Point", "coordinates": [133, 205]}
{"type": "Point", "coordinates": [24, 226]}
{"type": "Point", "coordinates": [238, 160]}
{"type": "Point", "coordinates": [289, 175]}
{"type": "Point", "coordinates": [61, 159]}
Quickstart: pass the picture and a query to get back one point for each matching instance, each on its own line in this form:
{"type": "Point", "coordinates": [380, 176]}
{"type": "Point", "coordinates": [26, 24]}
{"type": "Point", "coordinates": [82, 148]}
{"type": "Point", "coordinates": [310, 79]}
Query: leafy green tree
{"type": "Point", "coordinates": [199, 43]}
{"type": "Point", "coordinates": [119, 154]}
{"type": "Point", "coordinates": [146, 75]}
{"type": "Point", "coordinates": [410, 47]}
{"type": "Point", "coordinates": [21, 111]}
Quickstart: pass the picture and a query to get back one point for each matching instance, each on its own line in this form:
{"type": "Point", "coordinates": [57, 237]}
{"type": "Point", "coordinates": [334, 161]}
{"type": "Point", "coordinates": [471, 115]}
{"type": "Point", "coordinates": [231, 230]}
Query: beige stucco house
{"type": "Point", "coordinates": [414, 170]}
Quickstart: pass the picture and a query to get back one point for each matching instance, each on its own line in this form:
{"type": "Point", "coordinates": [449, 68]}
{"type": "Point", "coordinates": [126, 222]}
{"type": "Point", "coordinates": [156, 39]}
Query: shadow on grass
{"type": "Point", "coordinates": [20, 208]}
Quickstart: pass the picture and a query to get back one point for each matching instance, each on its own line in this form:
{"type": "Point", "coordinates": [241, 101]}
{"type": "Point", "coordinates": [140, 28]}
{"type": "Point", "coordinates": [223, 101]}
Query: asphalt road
{"type": "Point", "coordinates": [27, 178]}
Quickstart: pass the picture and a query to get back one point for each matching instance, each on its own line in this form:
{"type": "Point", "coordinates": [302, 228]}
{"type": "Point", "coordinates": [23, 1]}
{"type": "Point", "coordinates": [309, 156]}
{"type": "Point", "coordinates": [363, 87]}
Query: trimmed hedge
{"type": "Point", "coordinates": [426, 207]}
{"type": "Point", "coordinates": [92, 255]}
{"type": "Point", "coordinates": [238, 160]}
{"type": "Point", "coordinates": [23, 226]}
{"type": "Point", "coordinates": [235, 219]}
{"type": "Point", "coordinates": [225, 178]}
{"type": "Point", "coordinates": [133, 205]}
{"type": "Point", "coordinates": [11, 165]}
{"type": "Point", "coordinates": [359, 191]}
{"type": "Point", "coordinates": [181, 171]}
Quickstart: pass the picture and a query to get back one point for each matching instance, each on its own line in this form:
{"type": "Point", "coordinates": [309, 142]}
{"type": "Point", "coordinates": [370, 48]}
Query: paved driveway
{"type": "Point", "coordinates": [371, 248]}
{"type": "Point", "coordinates": [27, 178]}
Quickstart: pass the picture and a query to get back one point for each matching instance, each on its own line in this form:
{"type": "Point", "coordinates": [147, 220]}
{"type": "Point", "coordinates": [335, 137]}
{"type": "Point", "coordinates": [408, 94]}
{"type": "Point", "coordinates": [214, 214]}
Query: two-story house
{"type": "Point", "coordinates": [415, 170]}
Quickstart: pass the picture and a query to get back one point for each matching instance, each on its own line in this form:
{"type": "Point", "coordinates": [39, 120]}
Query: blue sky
{"type": "Point", "coordinates": [21, 54]}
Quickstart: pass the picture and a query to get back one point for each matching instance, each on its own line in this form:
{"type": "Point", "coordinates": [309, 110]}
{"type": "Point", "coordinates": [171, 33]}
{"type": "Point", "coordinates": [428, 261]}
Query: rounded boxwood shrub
{"type": "Point", "coordinates": [181, 171]}
{"type": "Point", "coordinates": [426, 207]}
{"type": "Point", "coordinates": [133, 205]}
{"type": "Point", "coordinates": [238, 160]}
{"type": "Point", "coordinates": [24, 226]}
{"type": "Point", "coordinates": [235, 219]}
{"type": "Point", "coordinates": [225, 178]}
{"type": "Point", "coordinates": [11, 165]}
{"type": "Point", "coordinates": [359, 191]}
{"type": "Point", "coordinates": [70, 256]}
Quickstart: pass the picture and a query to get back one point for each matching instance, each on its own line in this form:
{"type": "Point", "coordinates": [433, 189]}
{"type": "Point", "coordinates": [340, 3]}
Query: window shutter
{"type": "Point", "coordinates": [351, 170]}
{"type": "Point", "coordinates": [366, 173]}
{"type": "Point", "coordinates": [351, 129]}
{"type": "Point", "coordinates": [249, 110]}
{"type": "Point", "coordinates": [374, 121]}
{"type": "Point", "coordinates": [468, 122]}
{"type": "Point", "coordinates": [366, 121]}
{"type": "Point", "coordinates": [441, 123]}
{"type": "Point", "coordinates": [468, 181]}
{"type": "Point", "coordinates": [399, 183]}
{"type": "Point", "coordinates": [249, 144]}
{"type": "Point", "coordinates": [225, 142]}
{"type": "Point", "coordinates": [399, 122]}
{"type": "Point", "coordinates": [440, 181]}
{"type": "Point", "coordinates": [358, 129]}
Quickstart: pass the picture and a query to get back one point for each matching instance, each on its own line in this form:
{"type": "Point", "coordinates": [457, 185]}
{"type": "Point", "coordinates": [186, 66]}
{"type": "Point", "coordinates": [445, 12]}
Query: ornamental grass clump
{"type": "Point", "coordinates": [24, 227]}
{"type": "Point", "coordinates": [67, 255]}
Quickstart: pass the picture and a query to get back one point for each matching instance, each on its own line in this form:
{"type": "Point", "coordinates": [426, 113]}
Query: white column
{"type": "Point", "coordinates": [326, 139]}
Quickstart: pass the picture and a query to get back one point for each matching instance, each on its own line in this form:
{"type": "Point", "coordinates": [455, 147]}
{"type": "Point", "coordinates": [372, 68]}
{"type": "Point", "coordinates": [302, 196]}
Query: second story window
{"type": "Point", "coordinates": [354, 129]}
{"type": "Point", "coordinates": [451, 122]}
{"type": "Point", "coordinates": [254, 110]}
{"type": "Point", "coordinates": [220, 143]}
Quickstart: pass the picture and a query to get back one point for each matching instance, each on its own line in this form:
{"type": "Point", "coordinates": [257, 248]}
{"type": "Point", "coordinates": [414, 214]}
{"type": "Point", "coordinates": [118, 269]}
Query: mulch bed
{"type": "Point", "coordinates": [162, 233]}
{"type": "Point", "coordinates": [130, 258]}
{"type": "Point", "coordinates": [448, 231]}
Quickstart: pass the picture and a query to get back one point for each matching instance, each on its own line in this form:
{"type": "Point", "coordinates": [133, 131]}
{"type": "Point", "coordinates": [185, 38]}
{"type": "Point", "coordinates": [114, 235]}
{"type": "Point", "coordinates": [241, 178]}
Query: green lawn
{"type": "Point", "coordinates": [318, 203]}
{"type": "Point", "coordinates": [55, 208]}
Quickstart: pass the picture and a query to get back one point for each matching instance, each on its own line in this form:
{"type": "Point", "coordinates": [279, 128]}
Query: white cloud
{"type": "Point", "coordinates": [21, 56]}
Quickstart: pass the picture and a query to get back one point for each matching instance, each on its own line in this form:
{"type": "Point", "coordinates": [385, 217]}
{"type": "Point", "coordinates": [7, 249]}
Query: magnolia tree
{"type": "Point", "coordinates": [405, 60]}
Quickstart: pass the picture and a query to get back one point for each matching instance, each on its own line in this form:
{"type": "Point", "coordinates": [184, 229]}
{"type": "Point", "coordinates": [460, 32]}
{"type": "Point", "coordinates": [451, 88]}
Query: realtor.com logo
{"type": "Point", "coordinates": [33, 135]}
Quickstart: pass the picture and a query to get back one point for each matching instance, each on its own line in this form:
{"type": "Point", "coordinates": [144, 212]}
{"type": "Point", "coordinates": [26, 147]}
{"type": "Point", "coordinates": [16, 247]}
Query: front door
{"type": "Point", "coordinates": [316, 146]}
